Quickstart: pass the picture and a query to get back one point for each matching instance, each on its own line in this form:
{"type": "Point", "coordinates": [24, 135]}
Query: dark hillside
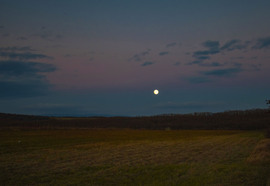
{"type": "Point", "coordinates": [21, 117]}
{"type": "Point", "coordinates": [256, 119]}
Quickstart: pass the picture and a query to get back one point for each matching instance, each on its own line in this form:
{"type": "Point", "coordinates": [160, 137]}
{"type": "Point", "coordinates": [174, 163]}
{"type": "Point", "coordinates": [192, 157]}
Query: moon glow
{"type": "Point", "coordinates": [156, 92]}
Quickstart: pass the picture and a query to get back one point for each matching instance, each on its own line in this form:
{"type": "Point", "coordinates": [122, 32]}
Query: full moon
{"type": "Point", "coordinates": [156, 92]}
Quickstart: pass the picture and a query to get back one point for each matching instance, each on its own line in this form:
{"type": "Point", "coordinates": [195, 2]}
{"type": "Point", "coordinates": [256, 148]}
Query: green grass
{"type": "Point", "coordinates": [133, 157]}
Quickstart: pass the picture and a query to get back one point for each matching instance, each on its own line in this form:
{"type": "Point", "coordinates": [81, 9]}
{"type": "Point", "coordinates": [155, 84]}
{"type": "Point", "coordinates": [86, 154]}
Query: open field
{"type": "Point", "coordinates": [133, 157]}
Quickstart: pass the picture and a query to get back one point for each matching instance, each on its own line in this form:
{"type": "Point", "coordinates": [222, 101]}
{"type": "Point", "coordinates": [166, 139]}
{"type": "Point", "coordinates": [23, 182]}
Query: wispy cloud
{"type": "Point", "coordinates": [198, 79]}
{"type": "Point", "coordinates": [226, 72]}
{"type": "Point", "coordinates": [262, 43]}
{"type": "Point", "coordinates": [171, 44]}
{"type": "Point", "coordinates": [256, 67]}
{"type": "Point", "coordinates": [147, 63]}
{"type": "Point", "coordinates": [201, 63]}
{"type": "Point", "coordinates": [202, 57]}
{"type": "Point", "coordinates": [24, 69]}
{"type": "Point", "coordinates": [21, 53]}
{"type": "Point", "coordinates": [212, 48]}
{"type": "Point", "coordinates": [229, 44]}
{"type": "Point", "coordinates": [136, 57]}
{"type": "Point", "coordinates": [211, 45]}
{"type": "Point", "coordinates": [24, 79]}
{"type": "Point", "coordinates": [140, 56]}
{"type": "Point", "coordinates": [145, 52]}
{"type": "Point", "coordinates": [196, 62]}
{"type": "Point", "coordinates": [163, 53]}
{"type": "Point", "coordinates": [235, 44]}
{"type": "Point", "coordinates": [48, 35]}
{"type": "Point", "coordinates": [212, 64]}
{"type": "Point", "coordinates": [186, 105]}
{"type": "Point", "coordinates": [198, 54]}
{"type": "Point", "coordinates": [23, 56]}
{"type": "Point", "coordinates": [16, 49]}
{"type": "Point", "coordinates": [177, 63]}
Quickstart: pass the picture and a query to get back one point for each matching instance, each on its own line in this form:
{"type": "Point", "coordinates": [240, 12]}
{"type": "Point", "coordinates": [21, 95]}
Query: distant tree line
{"type": "Point", "coordinates": [256, 119]}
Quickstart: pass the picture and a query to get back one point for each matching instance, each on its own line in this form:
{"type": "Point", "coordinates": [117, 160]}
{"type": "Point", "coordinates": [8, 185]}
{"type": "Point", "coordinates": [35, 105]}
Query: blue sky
{"type": "Point", "coordinates": [106, 57]}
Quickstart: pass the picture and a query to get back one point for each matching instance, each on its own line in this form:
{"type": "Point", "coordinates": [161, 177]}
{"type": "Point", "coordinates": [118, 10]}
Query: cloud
{"type": "Point", "coordinates": [201, 63]}
{"type": "Point", "coordinates": [197, 62]}
{"type": "Point", "coordinates": [147, 63]}
{"type": "Point", "coordinates": [140, 56]}
{"type": "Point", "coordinates": [25, 69]}
{"type": "Point", "coordinates": [171, 44]}
{"type": "Point", "coordinates": [47, 35]}
{"type": "Point", "coordinates": [136, 57]}
{"type": "Point", "coordinates": [24, 79]}
{"type": "Point", "coordinates": [224, 72]}
{"type": "Point", "coordinates": [177, 63]}
{"type": "Point", "coordinates": [21, 53]}
{"type": "Point", "coordinates": [198, 80]}
{"type": "Point", "coordinates": [205, 76]}
{"type": "Point", "coordinates": [256, 67]}
{"type": "Point", "coordinates": [262, 43]}
{"type": "Point", "coordinates": [229, 44]}
{"type": "Point", "coordinates": [205, 53]}
{"type": "Point", "coordinates": [187, 105]}
{"type": "Point", "coordinates": [223, 69]}
{"type": "Point", "coordinates": [235, 44]}
{"type": "Point", "coordinates": [227, 72]}
{"type": "Point", "coordinates": [145, 52]}
{"type": "Point", "coordinates": [16, 49]}
{"type": "Point", "coordinates": [163, 53]}
{"type": "Point", "coordinates": [23, 56]}
{"type": "Point", "coordinates": [213, 64]}
{"type": "Point", "coordinates": [1, 27]}
{"type": "Point", "coordinates": [213, 48]}
{"type": "Point", "coordinates": [211, 45]}
{"type": "Point", "coordinates": [202, 57]}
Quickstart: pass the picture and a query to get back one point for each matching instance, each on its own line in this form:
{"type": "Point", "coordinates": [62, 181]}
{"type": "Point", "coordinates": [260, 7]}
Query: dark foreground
{"type": "Point", "coordinates": [133, 157]}
{"type": "Point", "coordinates": [124, 151]}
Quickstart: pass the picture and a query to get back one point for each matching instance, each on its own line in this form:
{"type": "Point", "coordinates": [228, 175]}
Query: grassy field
{"type": "Point", "coordinates": [133, 157]}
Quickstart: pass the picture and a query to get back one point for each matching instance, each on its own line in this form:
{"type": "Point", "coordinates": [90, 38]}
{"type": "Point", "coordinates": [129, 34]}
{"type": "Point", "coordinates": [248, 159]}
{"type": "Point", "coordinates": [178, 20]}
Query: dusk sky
{"type": "Point", "coordinates": [105, 57]}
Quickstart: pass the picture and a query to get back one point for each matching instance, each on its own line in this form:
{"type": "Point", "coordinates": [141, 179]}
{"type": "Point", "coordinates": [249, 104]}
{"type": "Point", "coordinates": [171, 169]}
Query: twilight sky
{"type": "Point", "coordinates": [105, 57]}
